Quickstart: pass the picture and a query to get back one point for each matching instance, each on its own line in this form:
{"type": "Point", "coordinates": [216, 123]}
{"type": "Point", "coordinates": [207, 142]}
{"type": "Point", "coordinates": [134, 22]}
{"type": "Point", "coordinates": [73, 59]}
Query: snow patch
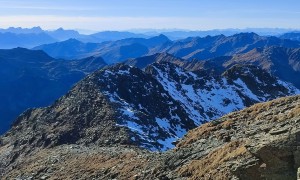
{"type": "Point", "coordinates": [243, 87]}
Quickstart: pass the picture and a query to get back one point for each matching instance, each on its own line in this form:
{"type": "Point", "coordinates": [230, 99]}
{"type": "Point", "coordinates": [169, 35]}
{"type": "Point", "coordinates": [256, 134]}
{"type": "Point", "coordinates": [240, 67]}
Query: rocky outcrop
{"type": "Point", "coordinates": [259, 142]}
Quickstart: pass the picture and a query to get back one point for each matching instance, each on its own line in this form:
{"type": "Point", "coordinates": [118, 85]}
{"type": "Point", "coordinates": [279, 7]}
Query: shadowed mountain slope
{"type": "Point", "coordinates": [34, 79]}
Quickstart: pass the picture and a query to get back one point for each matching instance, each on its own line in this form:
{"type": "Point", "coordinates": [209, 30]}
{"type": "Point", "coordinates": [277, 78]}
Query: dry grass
{"type": "Point", "coordinates": [212, 165]}
{"type": "Point", "coordinates": [201, 132]}
{"type": "Point", "coordinates": [294, 112]}
{"type": "Point", "coordinates": [82, 165]}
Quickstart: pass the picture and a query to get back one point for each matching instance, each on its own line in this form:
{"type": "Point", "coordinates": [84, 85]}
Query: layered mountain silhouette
{"type": "Point", "coordinates": [190, 48]}
{"type": "Point", "coordinates": [19, 30]}
{"type": "Point", "coordinates": [215, 46]}
{"type": "Point", "coordinates": [33, 79]}
{"type": "Point", "coordinates": [31, 37]}
{"type": "Point", "coordinates": [69, 49]}
{"type": "Point", "coordinates": [279, 61]}
{"type": "Point", "coordinates": [10, 40]}
{"type": "Point", "coordinates": [112, 52]}
{"type": "Point", "coordinates": [113, 36]}
{"type": "Point", "coordinates": [292, 36]}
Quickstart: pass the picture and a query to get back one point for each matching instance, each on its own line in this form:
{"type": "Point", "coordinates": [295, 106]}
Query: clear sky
{"type": "Point", "coordinates": [154, 14]}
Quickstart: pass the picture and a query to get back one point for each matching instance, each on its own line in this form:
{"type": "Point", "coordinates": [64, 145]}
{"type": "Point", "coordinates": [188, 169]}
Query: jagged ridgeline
{"type": "Point", "coordinates": [150, 108]}
{"type": "Point", "coordinates": [200, 48]}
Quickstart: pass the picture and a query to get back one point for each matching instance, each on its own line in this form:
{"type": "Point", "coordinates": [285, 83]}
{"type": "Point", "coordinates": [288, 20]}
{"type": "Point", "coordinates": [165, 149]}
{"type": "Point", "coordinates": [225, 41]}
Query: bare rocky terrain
{"type": "Point", "coordinates": [259, 142]}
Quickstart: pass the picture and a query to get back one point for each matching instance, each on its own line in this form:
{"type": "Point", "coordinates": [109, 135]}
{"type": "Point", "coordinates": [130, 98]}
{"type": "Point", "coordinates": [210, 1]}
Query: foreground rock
{"type": "Point", "coordinates": [260, 142]}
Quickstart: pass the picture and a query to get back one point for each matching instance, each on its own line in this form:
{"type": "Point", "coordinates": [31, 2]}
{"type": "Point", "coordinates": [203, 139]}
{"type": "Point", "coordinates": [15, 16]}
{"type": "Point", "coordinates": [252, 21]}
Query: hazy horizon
{"type": "Point", "coordinates": [118, 15]}
{"type": "Point", "coordinates": [89, 31]}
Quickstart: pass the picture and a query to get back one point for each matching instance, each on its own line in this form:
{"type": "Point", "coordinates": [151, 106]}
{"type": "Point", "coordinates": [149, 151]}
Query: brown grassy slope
{"type": "Point", "coordinates": [259, 142]}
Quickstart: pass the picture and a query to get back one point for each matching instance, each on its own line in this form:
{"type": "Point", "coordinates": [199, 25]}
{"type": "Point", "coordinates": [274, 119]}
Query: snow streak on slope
{"type": "Point", "coordinates": [292, 89]}
{"type": "Point", "coordinates": [203, 99]}
{"type": "Point", "coordinates": [159, 105]}
{"type": "Point", "coordinates": [209, 97]}
{"type": "Point", "coordinates": [244, 88]}
{"type": "Point", "coordinates": [145, 108]}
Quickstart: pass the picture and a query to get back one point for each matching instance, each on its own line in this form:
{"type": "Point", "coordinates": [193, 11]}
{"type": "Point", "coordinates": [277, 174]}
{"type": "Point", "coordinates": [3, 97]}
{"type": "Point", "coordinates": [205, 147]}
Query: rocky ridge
{"type": "Point", "coordinates": [280, 61]}
{"type": "Point", "coordinates": [151, 108]}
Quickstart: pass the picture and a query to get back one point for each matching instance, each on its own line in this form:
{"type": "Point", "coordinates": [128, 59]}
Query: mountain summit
{"type": "Point", "coordinates": [150, 109]}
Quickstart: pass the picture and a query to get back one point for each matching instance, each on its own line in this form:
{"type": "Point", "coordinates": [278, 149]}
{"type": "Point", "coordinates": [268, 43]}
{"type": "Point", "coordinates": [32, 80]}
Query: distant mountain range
{"type": "Point", "coordinates": [292, 36]}
{"type": "Point", "coordinates": [33, 79]}
{"type": "Point", "coordinates": [176, 34]}
{"type": "Point", "coordinates": [112, 51]}
{"type": "Point", "coordinates": [11, 40]}
{"type": "Point", "coordinates": [279, 61]}
{"type": "Point", "coordinates": [19, 30]}
{"type": "Point", "coordinates": [29, 38]}
{"type": "Point", "coordinates": [70, 49]}
{"type": "Point", "coordinates": [189, 48]}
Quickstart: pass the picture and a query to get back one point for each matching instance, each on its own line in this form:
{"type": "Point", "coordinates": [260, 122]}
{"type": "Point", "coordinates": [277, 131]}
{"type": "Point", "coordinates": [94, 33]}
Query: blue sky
{"type": "Point", "coordinates": [154, 14]}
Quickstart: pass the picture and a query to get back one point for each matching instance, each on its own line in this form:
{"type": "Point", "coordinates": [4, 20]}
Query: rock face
{"type": "Point", "coordinates": [144, 106]}
{"type": "Point", "coordinates": [259, 142]}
